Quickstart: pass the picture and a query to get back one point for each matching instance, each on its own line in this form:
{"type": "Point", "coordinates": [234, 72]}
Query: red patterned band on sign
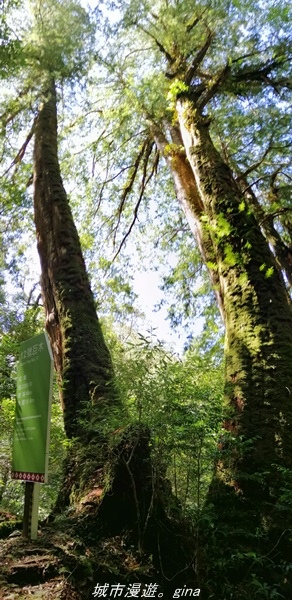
{"type": "Point", "coordinates": [22, 476]}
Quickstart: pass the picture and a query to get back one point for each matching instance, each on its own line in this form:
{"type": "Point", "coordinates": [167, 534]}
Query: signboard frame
{"type": "Point", "coordinates": [33, 410]}
{"type": "Point", "coordinates": [31, 438]}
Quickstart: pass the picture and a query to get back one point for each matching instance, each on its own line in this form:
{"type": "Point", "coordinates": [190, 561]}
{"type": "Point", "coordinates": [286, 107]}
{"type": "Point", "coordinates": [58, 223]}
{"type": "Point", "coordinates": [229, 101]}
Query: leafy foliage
{"type": "Point", "coordinates": [233, 60]}
{"type": "Point", "coordinates": [56, 44]}
{"type": "Point", "coordinates": [181, 403]}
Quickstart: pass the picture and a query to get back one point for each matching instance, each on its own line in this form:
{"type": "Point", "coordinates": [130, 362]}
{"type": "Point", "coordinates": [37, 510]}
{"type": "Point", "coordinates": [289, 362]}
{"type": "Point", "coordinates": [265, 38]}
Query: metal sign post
{"type": "Point", "coordinates": [31, 507]}
{"type": "Point", "coordinates": [32, 424]}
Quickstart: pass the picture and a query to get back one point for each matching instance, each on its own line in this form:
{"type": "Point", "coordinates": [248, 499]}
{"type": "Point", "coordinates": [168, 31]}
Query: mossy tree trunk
{"type": "Point", "coordinates": [249, 263]}
{"type": "Point", "coordinates": [116, 491]}
{"type": "Point", "coordinates": [258, 317]}
{"type": "Point", "coordinates": [83, 364]}
{"type": "Point", "coordinates": [188, 195]}
{"type": "Point", "coordinates": [252, 298]}
{"type": "Point", "coordinates": [82, 360]}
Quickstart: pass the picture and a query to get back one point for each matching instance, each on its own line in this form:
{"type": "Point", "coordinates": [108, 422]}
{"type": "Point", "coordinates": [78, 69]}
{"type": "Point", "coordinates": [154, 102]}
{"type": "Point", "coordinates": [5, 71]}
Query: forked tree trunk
{"type": "Point", "coordinates": [258, 317]}
{"type": "Point", "coordinates": [252, 298]}
{"type": "Point", "coordinates": [189, 198]}
{"type": "Point", "coordinates": [250, 488]}
{"type": "Point", "coordinates": [249, 494]}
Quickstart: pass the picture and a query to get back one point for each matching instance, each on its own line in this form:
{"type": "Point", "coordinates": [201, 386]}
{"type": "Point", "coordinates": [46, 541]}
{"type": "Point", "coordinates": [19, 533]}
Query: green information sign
{"type": "Point", "coordinates": [33, 410]}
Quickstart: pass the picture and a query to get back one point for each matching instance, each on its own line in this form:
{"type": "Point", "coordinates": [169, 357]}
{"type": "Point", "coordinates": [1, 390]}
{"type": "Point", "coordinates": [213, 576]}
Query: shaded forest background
{"type": "Point", "coordinates": [136, 134]}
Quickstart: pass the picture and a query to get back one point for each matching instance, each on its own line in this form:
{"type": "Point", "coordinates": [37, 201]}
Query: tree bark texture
{"type": "Point", "coordinates": [112, 486]}
{"type": "Point", "coordinates": [258, 318]}
{"type": "Point", "coordinates": [189, 198]}
{"type": "Point", "coordinates": [82, 360]}
{"type": "Point", "coordinates": [281, 251]}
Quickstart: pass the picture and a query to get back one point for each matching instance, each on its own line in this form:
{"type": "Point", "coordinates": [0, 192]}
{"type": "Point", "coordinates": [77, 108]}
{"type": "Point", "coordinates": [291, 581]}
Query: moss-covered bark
{"type": "Point", "coordinates": [258, 319]}
{"type": "Point", "coordinates": [189, 198]}
{"type": "Point", "coordinates": [281, 251]}
{"type": "Point", "coordinates": [81, 357]}
{"type": "Point", "coordinates": [110, 483]}
{"type": "Point", "coordinates": [249, 495]}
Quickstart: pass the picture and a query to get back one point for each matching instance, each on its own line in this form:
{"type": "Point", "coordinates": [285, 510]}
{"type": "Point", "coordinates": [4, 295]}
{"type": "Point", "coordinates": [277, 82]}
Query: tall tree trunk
{"type": "Point", "coordinates": [189, 198]}
{"type": "Point", "coordinates": [258, 317]}
{"type": "Point", "coordinates": [90, 404]}
{"type": "Point", "coordinates": [82, 360]}
{"type": "Point", "coordinates": [250, 486]}
{"type": "Point", "coordinates": [131, 498]}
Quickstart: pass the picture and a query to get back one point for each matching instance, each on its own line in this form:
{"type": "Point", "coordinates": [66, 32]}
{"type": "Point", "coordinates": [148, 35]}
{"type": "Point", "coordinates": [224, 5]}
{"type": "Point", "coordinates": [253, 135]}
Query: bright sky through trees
{"type": "Point", "coordinates": [147, 283]}
{"type": "Point", "coordinates": [162, 141]}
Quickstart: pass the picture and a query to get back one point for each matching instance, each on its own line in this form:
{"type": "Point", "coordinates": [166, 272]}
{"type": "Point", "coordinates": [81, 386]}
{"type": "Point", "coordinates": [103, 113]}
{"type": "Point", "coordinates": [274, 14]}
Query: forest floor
{"type": "Point", "coordinates": [59, 566]}
{"type": "Point", "coordinates": [31, 569]}
{"type": "Point", "coordinates": [39, 568]}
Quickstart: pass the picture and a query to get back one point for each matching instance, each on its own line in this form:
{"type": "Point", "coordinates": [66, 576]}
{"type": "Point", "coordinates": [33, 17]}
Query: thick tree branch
{"type": "Point", "coordinates": [197, 60]}
{"type": "Point", "coordinates": [168, 56]}
{"type": "Point", "coordinates": [192, 24]}
{"type": "Point", "coordinates": [261, 74]}
{"type": "Point", "coordinates": [212, 88]}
